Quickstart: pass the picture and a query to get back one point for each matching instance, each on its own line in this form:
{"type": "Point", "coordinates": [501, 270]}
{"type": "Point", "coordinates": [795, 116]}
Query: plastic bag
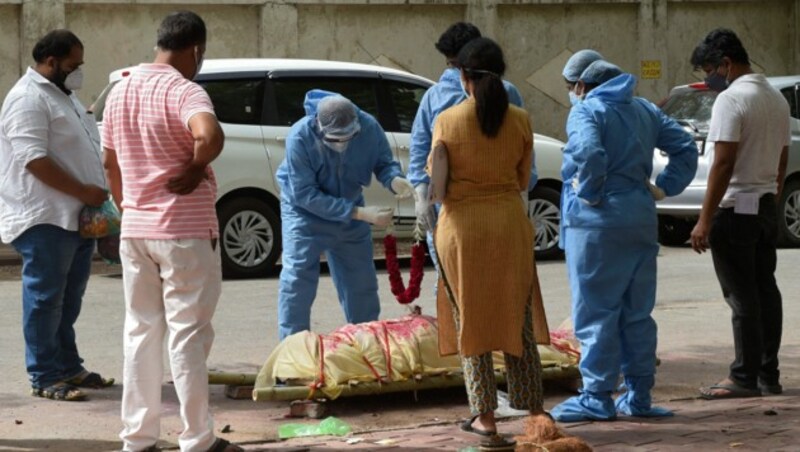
{"type": "Point", "coordinates": [108, 248]}
{"type": "Point", "coordinates": [504, 409]}
{"type": "Point", "coordinates": [97, 222]}
{"type": "Point", "coordinates": [328, 426]}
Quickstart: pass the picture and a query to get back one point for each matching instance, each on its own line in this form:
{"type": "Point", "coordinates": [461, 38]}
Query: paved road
{"type": "Point", "coordinates": [695, 348]}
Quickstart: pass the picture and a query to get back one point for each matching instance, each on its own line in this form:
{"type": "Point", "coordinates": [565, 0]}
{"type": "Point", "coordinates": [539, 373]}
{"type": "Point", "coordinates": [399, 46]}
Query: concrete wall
{"type": "Point", "coordinates": [9, 46]}
{"type": "Point", "coordinates": [116, 36]}
{"type": "Point", "coordinates": [537, 36]}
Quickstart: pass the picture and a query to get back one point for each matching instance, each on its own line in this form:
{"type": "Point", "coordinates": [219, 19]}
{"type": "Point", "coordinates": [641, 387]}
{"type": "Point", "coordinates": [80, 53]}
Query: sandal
{"type": "Point", "coordinates": [498, 442]}
{"type": "Point", "coordinates": [91, 380]}
{"type": "Point", "coordinates": [770, 389]}
{"type": "Point", "coordinates": [223, 445]}
{"type": "Point", "coordinates": [466, 426]}
{"type": "Point", "coordinates": [734, 391]}
{"type": "Point", "coordinates": [60, 391]}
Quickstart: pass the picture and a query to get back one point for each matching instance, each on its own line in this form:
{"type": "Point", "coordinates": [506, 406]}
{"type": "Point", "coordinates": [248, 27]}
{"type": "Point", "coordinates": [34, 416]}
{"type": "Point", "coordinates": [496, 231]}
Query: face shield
{"type": "Point", "coordinates": [337, 119]}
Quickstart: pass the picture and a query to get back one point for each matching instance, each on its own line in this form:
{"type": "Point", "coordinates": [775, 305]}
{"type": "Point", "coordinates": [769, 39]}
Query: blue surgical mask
{"type": "Point", "coordinates": [574, 99]}
{"type": "Point", "coordinates": [717, 82]}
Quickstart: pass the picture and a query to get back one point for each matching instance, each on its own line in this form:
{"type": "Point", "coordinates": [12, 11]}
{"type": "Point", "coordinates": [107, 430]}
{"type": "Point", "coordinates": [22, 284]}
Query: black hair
{"type": "Point", "coordinates": [716, 45]}
{"type": "Point", "coordinates": [588, 87]}
{"type": "Point", "coordinates": [455, 38]}
{"type": "Point", "coordinates": [57, 44]}
{"type": "Point", "coordinates": [481, 61]}
{"type": "Point", "coordinates": [181, 30]}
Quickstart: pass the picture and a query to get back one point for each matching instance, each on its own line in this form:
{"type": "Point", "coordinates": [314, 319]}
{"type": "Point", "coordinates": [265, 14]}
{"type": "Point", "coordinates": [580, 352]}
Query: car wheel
{"type": "Point", "coordinates": [789, 214]}
{"type": "Point", "coordinates": [674, 231]}
{"type": "Point", "coordinates": [250, 236]}
{"type": "Point", "coordinates": [544, 212]}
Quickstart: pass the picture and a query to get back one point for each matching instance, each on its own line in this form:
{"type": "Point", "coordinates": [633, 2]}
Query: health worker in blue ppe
{"type": "Point", "coordinates": [575, 66]}
{"type": "Point", "coordinates": [610, 232]}
{"type": "Point", "coordinates": [449, 91]}
{"type": "Point", "coordinates": [331, 155]}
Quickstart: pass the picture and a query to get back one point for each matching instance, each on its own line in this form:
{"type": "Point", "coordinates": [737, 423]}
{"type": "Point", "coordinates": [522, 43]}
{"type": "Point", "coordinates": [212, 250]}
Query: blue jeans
{"type": "Point", "coordinates": [56, 264]}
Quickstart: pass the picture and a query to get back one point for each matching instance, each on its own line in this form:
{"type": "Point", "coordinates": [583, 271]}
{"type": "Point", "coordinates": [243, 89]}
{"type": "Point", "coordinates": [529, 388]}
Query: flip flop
{"type": "Point", "coordinates": [771, 389]}
{"type": "Point", "coordinates": [223, 445]}
{"type": "Point", "coordinates": [734, 392]}
{"type": "Point", "coordinates": [60, 391]}
{"type": "Point", "coordinates": [497, 442]}
{"type": "Point", "coordinates": [467, 427]}
{"type": "Point", "coordinates": [91, 380]}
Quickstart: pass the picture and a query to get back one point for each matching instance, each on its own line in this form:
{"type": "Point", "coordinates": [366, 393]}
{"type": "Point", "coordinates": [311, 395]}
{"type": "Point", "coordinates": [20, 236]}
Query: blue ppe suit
{"type": "Point", "coordinates": [441, 96]}
{"type": "Point", "coordinates": [610, 233]}
{"type": "Point", "coordinates": [320, 189]}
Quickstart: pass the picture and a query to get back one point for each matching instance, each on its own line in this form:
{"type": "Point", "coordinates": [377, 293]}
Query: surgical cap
{"type": "Point", "coordinates": [578, 62]}
{"type": "Point", "coordinates": [338, 117]}
{"type": "Point", "coordinates": [600, 72]}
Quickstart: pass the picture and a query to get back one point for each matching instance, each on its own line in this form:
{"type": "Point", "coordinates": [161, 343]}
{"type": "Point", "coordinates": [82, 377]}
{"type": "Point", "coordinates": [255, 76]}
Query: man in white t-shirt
{"type": "Point", "coordinates": [751, 135]}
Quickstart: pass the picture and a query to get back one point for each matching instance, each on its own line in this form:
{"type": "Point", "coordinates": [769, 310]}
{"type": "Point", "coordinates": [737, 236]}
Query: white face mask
{"type": "Point", "coordinates": [74, 80]}
{"type": "Point", "coordinates": [338, 146]}
{"type": "Point", "coordinates": [463, 87]}
{"type": "Point", "coordinates": [574, 99]}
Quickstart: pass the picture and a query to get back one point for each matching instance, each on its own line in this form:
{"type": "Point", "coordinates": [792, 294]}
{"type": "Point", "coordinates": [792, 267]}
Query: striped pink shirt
{"type": "Point", "coordinates": [146, 122]}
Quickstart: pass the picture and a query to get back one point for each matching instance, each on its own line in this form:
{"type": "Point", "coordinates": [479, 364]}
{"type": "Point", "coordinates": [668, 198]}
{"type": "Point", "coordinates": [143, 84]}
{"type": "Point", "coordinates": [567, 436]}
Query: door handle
{"type": "Point", "coordinates": [280, 139]}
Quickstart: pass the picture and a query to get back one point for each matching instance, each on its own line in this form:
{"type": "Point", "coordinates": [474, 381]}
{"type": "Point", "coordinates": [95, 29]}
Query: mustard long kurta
{"type": "Point", "coordinates": [483, 236]}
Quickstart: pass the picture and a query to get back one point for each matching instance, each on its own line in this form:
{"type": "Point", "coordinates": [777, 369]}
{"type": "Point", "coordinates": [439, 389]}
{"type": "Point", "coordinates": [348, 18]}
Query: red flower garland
{"type": "Point", "coordinates": [401, 293]}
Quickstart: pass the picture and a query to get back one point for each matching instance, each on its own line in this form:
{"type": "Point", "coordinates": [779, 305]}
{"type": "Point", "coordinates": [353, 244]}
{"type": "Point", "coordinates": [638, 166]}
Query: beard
{"type": "Point", "coordinates": [58, 78]}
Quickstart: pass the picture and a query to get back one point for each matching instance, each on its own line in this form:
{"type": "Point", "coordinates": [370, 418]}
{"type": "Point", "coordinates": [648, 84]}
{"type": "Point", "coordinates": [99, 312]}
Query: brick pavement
{"type": "Point", "coordinates": [757, 424]}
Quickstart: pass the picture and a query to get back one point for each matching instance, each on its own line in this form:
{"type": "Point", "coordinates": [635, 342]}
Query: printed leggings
{"type": "Point", "coordinates": [523, 374]}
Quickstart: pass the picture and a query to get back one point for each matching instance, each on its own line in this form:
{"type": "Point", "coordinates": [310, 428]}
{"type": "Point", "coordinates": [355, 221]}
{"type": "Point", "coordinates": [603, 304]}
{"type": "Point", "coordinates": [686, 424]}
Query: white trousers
{"type": "Point", "coordinates": [170, 286]}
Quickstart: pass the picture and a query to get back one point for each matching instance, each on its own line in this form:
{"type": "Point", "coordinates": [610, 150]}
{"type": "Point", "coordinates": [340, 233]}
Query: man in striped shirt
{"type": "Point", "coordinates": [160, 134]}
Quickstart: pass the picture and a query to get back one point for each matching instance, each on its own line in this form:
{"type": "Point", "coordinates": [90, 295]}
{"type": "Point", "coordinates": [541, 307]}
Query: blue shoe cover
{"type": "Point", "coordinates": [585, 407]}
{"type": "Point", "coordinates": [626, 405]}
{"type": "Point", "coordinates": [636, 401]}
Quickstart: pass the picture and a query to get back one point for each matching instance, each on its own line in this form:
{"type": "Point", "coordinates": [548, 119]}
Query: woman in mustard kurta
{"type": "Point", "coordinates": [484, 240]}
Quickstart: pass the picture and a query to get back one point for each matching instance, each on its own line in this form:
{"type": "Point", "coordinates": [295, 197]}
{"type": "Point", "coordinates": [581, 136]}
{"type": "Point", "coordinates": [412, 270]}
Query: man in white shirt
{"type": "Point", "coordinates": [751, 134]}
{"type": "Point", "coordinates": [50, 167]}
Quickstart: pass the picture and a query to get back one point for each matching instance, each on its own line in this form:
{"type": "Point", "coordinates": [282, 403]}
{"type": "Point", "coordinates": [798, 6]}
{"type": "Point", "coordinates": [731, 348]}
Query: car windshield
{"type": "Point", "coordinates": [692, 106]}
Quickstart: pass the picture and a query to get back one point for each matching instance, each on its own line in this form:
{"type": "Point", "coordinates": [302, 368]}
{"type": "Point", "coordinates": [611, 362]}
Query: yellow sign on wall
{"type": "Point", "coordinates": [651, 69]}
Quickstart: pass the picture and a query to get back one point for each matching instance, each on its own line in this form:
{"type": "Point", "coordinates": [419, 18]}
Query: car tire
{"type": "Point", "coordinates": [250, 237]}
{"type": "Point", "coordinates": [544, 211]}
{"type": "Point", "coordinates": [674, 231]}
{"type": "Point", "coordinates": [789, 214]}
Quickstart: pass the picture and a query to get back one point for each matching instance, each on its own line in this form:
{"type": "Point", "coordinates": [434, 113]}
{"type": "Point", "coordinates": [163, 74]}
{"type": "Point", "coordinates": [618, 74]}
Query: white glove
{"type": "Point", "coordinates": [656, 191]}
{"type": "Point", "coordinates": [426, 215]}
{"type": "Point", "coordinates": [575, 183]}
{"type": "Point", "coordinates": [523, 195]}
{"type": "Point", "coordinates": [402, 187]}
{"type": "Point", "coordinates": [379, 216]}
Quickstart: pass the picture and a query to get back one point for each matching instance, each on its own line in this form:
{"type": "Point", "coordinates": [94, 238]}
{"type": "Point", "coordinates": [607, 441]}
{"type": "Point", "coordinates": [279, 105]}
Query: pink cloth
{"type": "Point", "coordinates": [146, 123]}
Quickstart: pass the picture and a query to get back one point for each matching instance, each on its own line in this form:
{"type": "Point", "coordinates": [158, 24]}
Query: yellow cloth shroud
{"type": "Point", "coordinates": [385, 350]}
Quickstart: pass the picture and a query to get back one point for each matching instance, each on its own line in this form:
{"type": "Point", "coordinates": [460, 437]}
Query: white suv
{"type": "Point", "coordinates": [257, 100]}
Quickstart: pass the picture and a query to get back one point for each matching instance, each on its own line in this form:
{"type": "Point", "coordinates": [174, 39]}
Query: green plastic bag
{"type": "Point", "coordinates": [328, 426]}
{"type": "Point", "coordinates": [97, 222]}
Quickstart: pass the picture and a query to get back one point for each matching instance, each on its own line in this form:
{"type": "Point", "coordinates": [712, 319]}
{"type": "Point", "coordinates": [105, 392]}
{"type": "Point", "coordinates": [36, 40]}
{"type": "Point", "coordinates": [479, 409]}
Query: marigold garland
{"type": "Point", "coordinates": [404, 295]}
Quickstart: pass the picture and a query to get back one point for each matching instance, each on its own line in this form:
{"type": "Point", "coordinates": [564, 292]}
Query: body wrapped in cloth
{"type": "Point", "coordinates": [384, 351]}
